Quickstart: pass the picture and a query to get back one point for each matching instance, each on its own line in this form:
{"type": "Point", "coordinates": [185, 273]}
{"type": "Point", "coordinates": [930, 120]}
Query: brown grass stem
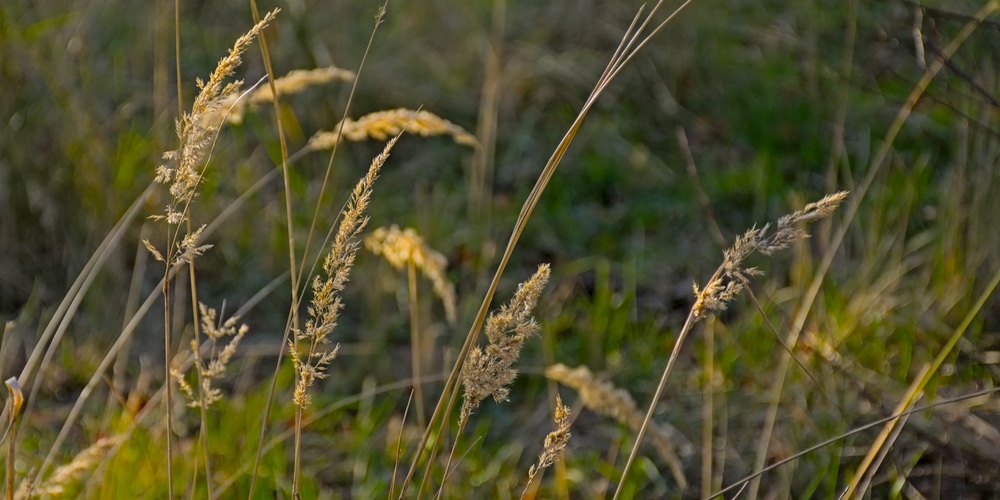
{"type": "Point", "coordinates": [294, 271]}
{"type": "Point", "coordinates": [671, 361]}
{"type": "Point", "coordinates": [703, 200]}
{"type": "Point", "coordinates": [203, 437]}
{"type": "Point", "coordinates": [850, 211]}
{"type": "Point", "coordinates": [481, 171]}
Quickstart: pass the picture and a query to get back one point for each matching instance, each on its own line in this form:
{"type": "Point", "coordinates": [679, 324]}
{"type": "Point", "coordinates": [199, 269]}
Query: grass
{"type": "Point", "coordinates": [860, 359]}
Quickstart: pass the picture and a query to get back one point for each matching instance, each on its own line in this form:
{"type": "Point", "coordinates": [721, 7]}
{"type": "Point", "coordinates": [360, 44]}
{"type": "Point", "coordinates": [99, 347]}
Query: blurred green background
{"type": "Point", "coordinates": [776, 104]}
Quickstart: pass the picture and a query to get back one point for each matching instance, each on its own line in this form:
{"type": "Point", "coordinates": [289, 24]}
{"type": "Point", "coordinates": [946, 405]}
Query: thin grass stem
{"type": "Point", "coordinates": [850, 211]}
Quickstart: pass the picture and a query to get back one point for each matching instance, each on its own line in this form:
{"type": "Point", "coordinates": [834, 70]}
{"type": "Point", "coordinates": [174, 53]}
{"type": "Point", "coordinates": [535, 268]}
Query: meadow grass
{"type": "Point", "coordinates": [336, 376]}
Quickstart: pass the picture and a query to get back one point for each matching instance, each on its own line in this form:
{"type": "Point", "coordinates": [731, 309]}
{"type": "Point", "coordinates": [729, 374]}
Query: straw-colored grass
{"type": "Point", "coordinates": [381, 125]}
{"type": "Point", "coordinates": [321, 436]}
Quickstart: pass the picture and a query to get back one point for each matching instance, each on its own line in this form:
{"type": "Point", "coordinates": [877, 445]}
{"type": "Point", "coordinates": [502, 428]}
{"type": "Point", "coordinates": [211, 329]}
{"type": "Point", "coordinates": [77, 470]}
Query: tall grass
{"type": "Point", "coordinates": [320, 382]}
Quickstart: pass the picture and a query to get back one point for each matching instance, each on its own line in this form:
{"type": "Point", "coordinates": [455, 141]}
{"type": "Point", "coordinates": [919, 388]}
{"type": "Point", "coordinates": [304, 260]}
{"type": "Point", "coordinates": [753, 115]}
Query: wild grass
{"type": "Point", "coordinates": [319, 383]}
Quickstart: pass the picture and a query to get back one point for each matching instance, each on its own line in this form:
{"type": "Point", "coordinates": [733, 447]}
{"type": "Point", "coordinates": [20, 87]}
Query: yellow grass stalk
{"type": "Point", "coordinates": [875, 166]}
{"type": "Point", "coordinates": [632, 42]}
{"type": "Point", "coordinates": [862, 477]}
{"type": "Point", "coordinates": [488, 371]}
{"type": "Point", "coordinates": [382, 124]}
{"type": "Point", "coordinates": [14, 404]}
{"type": "Point", "coordinates": [605, 399]}
{"type": "Point", "coordinates": [183, 171]}
{"type": "Point", "coordinates": [296, 272]}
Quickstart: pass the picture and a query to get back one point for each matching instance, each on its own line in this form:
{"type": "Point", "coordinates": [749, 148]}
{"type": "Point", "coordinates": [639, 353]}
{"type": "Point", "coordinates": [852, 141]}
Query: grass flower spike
{"type": "Point", "coordinates": [383, 124]}
{"type": "Point", "coordinates": [216, 330]}
{"type": "Point", "coordinates": [488, 372]}
{"type": "Point", "coordinates": [326, 302]}
{"type": "Point", "coordinates": [555, 442]}
{"type": "Point", "coordinates": [196, 130]}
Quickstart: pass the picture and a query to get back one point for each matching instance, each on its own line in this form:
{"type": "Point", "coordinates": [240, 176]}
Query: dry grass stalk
{"type": "Point", "coordinates": [605, 399]}
{"type": "Point", "coordinates": [382, 124]}
{"type": "Point", "coordinates": [234, 107]}
{"type": "Point", "coordinates": [403, 247]}
{"type": "Point", "coordinates": [488, 372]}
{"type": "Point", "coordinates": [58, 486]}
{"type": "Point", "coordinates": [728, 281]}
{"type": "Point", "coordinates": [196, 130]}
{"type": "Point", "coordinates": [215, 330]}
{"type": "Point", "coordinates": [326, 302]}
{"type": "Point", "coordinates": [725, 286]}
{"type": "Point", "coordinates": [555, 441]}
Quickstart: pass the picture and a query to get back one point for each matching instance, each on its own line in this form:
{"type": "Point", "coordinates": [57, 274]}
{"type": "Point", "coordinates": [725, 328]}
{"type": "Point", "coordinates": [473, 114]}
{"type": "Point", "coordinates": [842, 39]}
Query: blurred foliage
{"type": "Point", "coordinates": [757, 87]}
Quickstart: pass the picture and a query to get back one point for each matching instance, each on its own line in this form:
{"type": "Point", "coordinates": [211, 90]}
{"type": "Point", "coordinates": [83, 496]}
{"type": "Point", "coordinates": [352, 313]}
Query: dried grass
{"type": "Point", "coordinates": [216, 330]}
{"type": "Point", "coordinates": [382, 124]}
{"type": "Point", "coordinates": [196, 129]}
{"type": "Point", "coordinates": [326, 302]}
{"type": "Point", "coordinates": [487, 372]}
{"type": "Point", "coordinates": [234, 106]}
{"type": "Point", "coordinates": [65, 477]}
{"type": "Point", "coordinates": [605, 399]}
{"type": "Point", "coordinates": [555, 441]}
{"type": "Point", "coordinates": [400, 248]}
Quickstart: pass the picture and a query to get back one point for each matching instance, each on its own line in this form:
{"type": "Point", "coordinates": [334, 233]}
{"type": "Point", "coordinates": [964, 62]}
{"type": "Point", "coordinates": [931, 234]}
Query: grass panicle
{"type": "Point", "coordinates": [725, 286]}
{"type": "Point", "coordinates": [403, 247]}
{"type": "Point", "coordinates": [383, 124]}
{"type": "Point", "coordinates": [234, 106]}
{"type": "Point", "coordinates": [326, 303]}
{"type": "Point", "coordinates": [727, 282]}
{"type": "Point", "coordinates": [217, 331]}
{"type": "Point", "coordinates": [184, 171]}
{"type": "Point", "coordinates": [308, 359]}
{"type": "Point", "coordinates": [197, 129]}
{"type": "Point", "coordinates": [555, 442]}
{"type": "Point", "coordinates": [488, 372]}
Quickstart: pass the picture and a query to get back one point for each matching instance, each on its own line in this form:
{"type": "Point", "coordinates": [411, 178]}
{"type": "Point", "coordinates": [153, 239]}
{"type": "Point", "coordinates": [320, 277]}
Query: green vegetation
{"type": "Point", "coordinates": [410, 140]}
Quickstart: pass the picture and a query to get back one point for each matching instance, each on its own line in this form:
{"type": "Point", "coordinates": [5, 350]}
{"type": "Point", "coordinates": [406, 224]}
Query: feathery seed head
{"type": "Point", "coordinates": [732, 276]}
{"type": "Point", "coordinates": [487, 372]}
{"type": "Point", "coordinates": [555, 441]}
{"type": "Point", "coordinates": [326, 303]}
{"type": "Point", "coordinates": [382, 124]}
